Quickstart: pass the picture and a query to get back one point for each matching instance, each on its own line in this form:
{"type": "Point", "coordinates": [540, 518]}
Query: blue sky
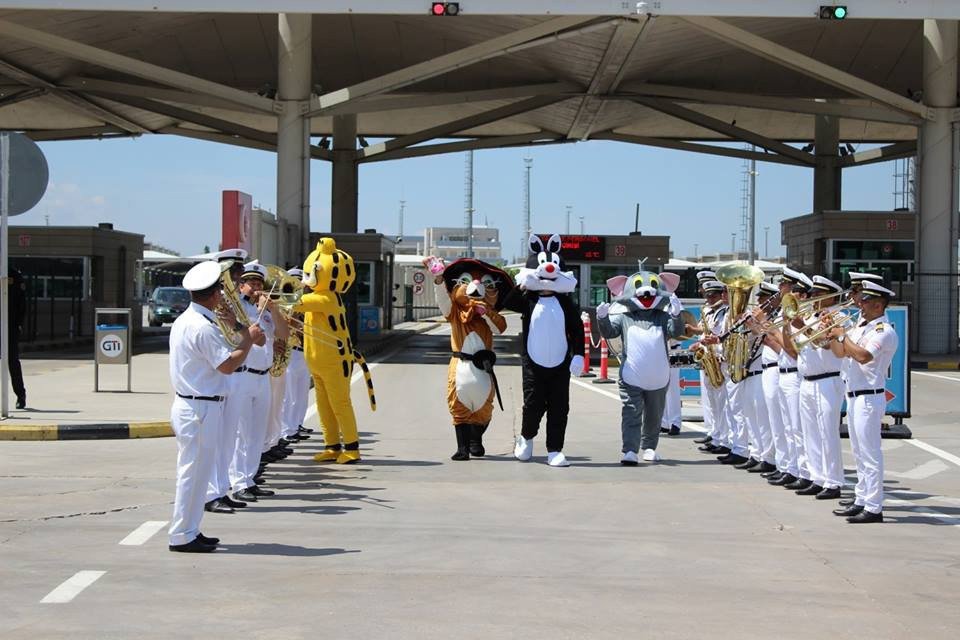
{"type": "Point", "coordinates": [168, 189]}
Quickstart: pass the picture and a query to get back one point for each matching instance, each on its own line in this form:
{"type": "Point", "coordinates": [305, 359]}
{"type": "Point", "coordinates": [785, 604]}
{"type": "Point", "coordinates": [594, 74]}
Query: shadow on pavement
{"type": "Point", "coordinates": [261, 549]}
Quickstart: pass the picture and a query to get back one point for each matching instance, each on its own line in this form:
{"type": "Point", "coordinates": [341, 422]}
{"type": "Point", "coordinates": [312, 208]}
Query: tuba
{"type": "Point", "coordinates": [231, 318]}
{"type": "Point", "coordinates": [740, 280]}
{"type": "Point", "coordinates": [286, 291]}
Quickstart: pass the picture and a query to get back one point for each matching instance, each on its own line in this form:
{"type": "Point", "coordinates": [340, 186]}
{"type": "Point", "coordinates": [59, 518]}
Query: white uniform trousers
{"type": "Point", "coordinates": [219, 485]}
{"type": "Point", "coordinates": [275, 419]}
{"type": "Point", "coordinates": [297, 394]}
{"type": "Point", "coordinates": [196, 424]}
{"type": "Point", "coordinates": [720, 411]}
{"type": "Point", "coordinates": [253, 410]}
{"type": "Point", "coordinates": [752, 412]}
{"type": "Point", "coordinates": [774, 418]}
{"type": "Point", "coordinates": [820, 402]}
{"type": "Point", "coordinates": [705, 403]}
{"type": "Point", "coordinates": [672, 412]}
{"type": "Point", "coordinates": [737, 394]}
{"type": "Point", "coordinates": [864, 418]}
{"type": "Point", "coordinates": [790, 406]}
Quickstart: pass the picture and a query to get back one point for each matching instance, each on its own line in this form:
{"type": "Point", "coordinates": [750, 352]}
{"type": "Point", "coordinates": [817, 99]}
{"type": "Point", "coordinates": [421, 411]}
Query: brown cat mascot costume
{"type": "Point", "coordinates": [470, 294]}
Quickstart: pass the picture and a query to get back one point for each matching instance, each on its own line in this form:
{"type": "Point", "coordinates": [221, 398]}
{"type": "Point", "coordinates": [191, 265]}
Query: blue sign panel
{"type": "Point", "coordinates": [690, 376]}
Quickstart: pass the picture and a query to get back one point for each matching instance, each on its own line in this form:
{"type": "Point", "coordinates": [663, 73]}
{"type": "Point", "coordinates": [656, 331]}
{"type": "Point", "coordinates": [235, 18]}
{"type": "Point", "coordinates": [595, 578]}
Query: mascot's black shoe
{"type": "Point", "coordinates": [463, 442]}
{"type": "Point", "coordinates": [476, 440]}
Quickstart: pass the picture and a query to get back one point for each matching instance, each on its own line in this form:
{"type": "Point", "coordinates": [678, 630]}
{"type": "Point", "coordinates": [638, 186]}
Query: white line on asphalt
{"type": "Point", "coordinates": [935, 375]}
{"type": "Point", "coordinates": [312, 410]}
{"type": "Point", "coordinates": [72, 587]}
{"type": "Point", "coordinates": [927, 510]}
{"type": "Point", "coordinates": [922, 472]}
{"type": "Point", "coordinates": [920, 444]}
{"type": "Point", "coordinates": [603, 392]}
{"type": "Point", "coordinates": [144, 532]}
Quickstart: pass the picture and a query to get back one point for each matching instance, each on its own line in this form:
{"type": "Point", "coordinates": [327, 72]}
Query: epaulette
{"type": "Point", "coordinates": [879, 327]}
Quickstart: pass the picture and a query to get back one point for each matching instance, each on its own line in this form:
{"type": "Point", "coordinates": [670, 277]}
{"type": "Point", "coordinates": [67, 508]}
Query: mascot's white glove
{"type": "Point", "coordinates": [675, 305]}
{"type": "Point", "coordinates": [603, 310]}
{"type": "Point", "coordinates": [576, 365]}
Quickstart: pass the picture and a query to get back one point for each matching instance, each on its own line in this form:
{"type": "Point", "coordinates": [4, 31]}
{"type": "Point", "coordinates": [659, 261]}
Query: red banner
{"type": "Point", "coordinates": [237, 221]}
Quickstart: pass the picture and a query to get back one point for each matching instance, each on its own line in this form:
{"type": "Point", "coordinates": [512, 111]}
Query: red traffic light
{"type": "Point", "coordinates": [445, 8]}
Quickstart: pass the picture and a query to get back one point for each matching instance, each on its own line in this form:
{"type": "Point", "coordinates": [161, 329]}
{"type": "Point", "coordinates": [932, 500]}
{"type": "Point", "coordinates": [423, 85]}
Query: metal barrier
{"type": "Point", "coordinates": [941, 293]}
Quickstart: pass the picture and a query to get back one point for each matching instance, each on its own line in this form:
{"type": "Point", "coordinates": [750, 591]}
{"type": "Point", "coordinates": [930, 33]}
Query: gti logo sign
{"type": "Point", "coordinates": [111, 345]}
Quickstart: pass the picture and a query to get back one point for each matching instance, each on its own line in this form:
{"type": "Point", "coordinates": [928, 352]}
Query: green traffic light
{"type": "Point", "coordinates": [839, 13]}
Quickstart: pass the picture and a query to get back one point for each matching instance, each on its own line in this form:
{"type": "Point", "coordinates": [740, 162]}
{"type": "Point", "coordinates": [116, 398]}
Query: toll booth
{"type": "Point", "coordinates": [369, 301]}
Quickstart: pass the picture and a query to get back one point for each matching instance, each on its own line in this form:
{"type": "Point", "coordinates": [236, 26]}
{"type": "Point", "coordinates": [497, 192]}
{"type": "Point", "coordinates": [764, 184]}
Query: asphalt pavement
{"type": "Point", "coordinates": [409, 544]}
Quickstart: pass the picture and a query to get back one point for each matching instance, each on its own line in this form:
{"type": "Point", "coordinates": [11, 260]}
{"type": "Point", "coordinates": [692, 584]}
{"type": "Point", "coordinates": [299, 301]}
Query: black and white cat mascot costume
{"type": "Point", "coordinates": [552, 333]}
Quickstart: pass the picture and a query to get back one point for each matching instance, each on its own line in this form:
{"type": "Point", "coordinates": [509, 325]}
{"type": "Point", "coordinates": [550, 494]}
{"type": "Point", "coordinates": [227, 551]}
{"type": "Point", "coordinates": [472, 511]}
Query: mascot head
{"type": "Point", "coordinates": [644, 290]}
{"type": "Point", "coordinates": [328, 269]}
{"type": "Point", "coordinates": [472, 282]}
{"type": "Point", "coordinates": [545, 268]}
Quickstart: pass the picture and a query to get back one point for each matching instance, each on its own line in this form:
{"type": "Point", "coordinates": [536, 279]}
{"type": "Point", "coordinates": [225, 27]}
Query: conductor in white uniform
{"type": "Point", "coordinates": [199, 360]}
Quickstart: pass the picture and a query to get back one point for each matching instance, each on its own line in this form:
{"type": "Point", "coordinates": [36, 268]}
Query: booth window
{"type": "Point", "coordinates": [364, 283]}
{"type": "Point", "coordinates": [892, 259]}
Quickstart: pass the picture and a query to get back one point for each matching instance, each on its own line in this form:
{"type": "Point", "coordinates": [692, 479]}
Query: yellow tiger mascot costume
{"type": "Point", "coordinates": [329, 351]}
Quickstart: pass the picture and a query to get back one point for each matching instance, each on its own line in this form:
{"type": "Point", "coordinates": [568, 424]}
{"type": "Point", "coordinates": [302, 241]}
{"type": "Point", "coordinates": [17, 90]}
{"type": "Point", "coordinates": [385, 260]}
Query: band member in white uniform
{"type": "Point", "coordinates": [672, 410]}
{"type": "Point", "coordinates": [798, 475]}
{"type": "Point", "coordinates": [747, 404]}
{"type": "Point", "coordinates": [218, 490]}
{"type": "Point", "coordinates": [868, 350]}
{"type": "Point", "coordinates": [821, 396]}
{"type": "Point", "coordinates": [715, 293]}
{"type": "Point", "coordinates": [703, 277]}
{"type": "Point", "coordinates": [772, 420]}
{"type": "Point", "coordinates": [297, 395]}
{"type": "Point", "coordinates": [199, 360]}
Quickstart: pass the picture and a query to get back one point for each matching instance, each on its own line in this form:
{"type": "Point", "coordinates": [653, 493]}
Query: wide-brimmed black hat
{"type": "Point", "coordinates": [463, 265]}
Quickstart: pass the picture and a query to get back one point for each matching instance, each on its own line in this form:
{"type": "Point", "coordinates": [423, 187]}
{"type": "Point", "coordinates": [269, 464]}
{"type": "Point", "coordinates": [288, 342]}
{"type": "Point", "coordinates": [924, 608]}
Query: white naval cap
{"type": "Point", "coordinates": [231, 254]}
{"type": "Point", "coordinates": [298, 273]}
{"type": "Point", "coordinates": [703, 276]}
{"type": "Point", "coordinates": [202, 276]}
{"type": "Point", "coordinates": [768, 289]}
{"type": "Point", "coordinates": [793, 276]}
{"type": "Point", "coordinates": [806, 281]}
{"type": "Point", "coordinates": [873, 290]}
{"type": "Point", "coordinates": [254, 269]}
{"type": "Point", "coordinates": [858, 277]}
{"type": "Point", "coordinates": [826, 284]}
{"type": "Point", "coordinates": [713, 285]}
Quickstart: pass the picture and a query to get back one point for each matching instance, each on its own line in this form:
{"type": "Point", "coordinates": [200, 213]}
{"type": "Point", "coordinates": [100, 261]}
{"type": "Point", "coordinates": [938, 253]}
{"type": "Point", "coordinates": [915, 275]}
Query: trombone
{"type": "Point", "coordinates": [837, 318]}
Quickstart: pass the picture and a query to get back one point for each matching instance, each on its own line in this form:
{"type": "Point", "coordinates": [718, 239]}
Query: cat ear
{"type": "Point", "coordinates": [536, 244]}
{"type": "Point", "coordinates": [554, 244]}
{"type": "Point", "coordinates": [616, 285]}
{"type": "Point", "coordinates": [670, 281]}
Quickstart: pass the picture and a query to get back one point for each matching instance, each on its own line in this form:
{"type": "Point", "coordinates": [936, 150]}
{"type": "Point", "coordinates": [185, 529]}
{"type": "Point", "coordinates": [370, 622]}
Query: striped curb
{"type": "Point", "coordinates": [935, 366]}
{"type": "Point", "coordinates": [92, 431]}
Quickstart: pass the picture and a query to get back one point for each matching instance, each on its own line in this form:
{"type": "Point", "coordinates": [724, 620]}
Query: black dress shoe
{"type": "Point", "coordinates": [703, 440]}
{"type": "Point", "coordinates": [268, 457]}
{"type": "Point", "coordinates": [733, 459]}
{"type": "Point", "coordinates": [797, 484]}
{"type": "Point", "coordinates": [674, 430]}
{"type": "Point", "coordinates": [257, 491]}
{"type": "Point", "coordinates": [708, 448]}
{"type": "Point", "coordinates": [763, 467]}
{"type": "Point", "coordinates": [244, 496]}
{"type": "Point", "coordinates": [664, 430]}
{"type": "Point", "coordinates": [783, 480]}
{"type": "Point", "coordinates": [216, 506]}
{"type": "Point", "coordinates": [22, 402]}
{"type": "Point", "coordinates": [847, 502]}
{"type": "Point", "coordinates": [205, 540]}
{"type": "Point", "coordinates": [303, 429]}
{"type": "Point", "coordinates": [194, 546]}
{"type": "Point", "coordinates": [812, 490]}
{"type": "Point", "coordinates": [230, 502]}
{"type": "Point", "coordinates": [771, 475]}
{"type": "Point", "coordinates": [259, 480]}
{"type": "Point", "coordinates": [749, 464]}
{"type": "Point", "coordinates": [719, 450]}
{"type": "Point", "coordinates": [865, 517]}
{"type": "Point", "coordinates": [852, 510]}
{"type": "Point", "coordinates": [829, 494]}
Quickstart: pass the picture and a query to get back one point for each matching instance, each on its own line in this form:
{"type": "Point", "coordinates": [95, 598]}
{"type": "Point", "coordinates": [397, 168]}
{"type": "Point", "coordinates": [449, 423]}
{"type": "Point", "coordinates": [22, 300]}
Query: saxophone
{"type": "Point", "coordinates": [705, 356]}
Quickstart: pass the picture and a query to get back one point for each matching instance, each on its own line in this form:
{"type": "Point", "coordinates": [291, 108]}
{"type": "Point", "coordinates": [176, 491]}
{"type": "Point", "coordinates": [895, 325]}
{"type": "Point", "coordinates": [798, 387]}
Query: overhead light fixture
{"type": "Point", "coordinates": [833, 12]}
{"type": "Point", "coordinates": [808, 148]}
{"type": "Point", "coordinates": [324, 143]}
{"type": "Point", "coordinates": [850, 149]}
{"type": "Point", "coordinates": [445, 8]}
{"type": "Point", "coordinates": [363, 142]}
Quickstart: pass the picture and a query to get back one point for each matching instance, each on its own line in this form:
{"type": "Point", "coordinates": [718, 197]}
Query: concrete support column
{"type": "Point", "coordinates": [293, 134]}
{"type": "Point", "coordinates": [937, 157]}
{"type": "Point", "coordinates": [827, 174]}
{"type": "Point", "coordinates": [343, 195]}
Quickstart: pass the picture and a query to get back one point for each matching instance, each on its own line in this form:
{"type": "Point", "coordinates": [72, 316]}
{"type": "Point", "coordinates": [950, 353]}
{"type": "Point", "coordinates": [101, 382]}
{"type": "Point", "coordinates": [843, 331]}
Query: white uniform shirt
{"type": "Point", "coordinates": [260, 358]}
{"type": "Point", "coordinates": [197, 348]}
{"type": "Point", "coordinates": [878, 337]}
{"type": "Point", "coordinates": [813, 360]}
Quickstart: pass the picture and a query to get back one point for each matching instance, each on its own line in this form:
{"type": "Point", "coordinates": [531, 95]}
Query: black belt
{"type": "Point", "coordinates": [208, 398]}
{"type": "Point", "coordinates": [752, 373]}
{"type": "Point", "coordinates": [298, 348]}
{"type": "Point", "coordinates": [865, 392]}
{"type": "Point", "coordinates": [259, 372]}
{"type": "Point", "coordinates": [788, 369]}
{"type": "Point", "coordinates": [770, 365]}
{"type": "Point", "coordinates": [822, 376]}
{"type": "Point", "coordinates": [483, 359]}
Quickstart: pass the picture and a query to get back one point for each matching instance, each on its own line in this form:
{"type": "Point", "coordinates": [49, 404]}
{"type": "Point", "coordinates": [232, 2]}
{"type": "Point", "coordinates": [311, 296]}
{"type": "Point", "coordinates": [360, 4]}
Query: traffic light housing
{"type": "Point", "coordinates": [444, 8]}
{"type": "Point", "coordinates": [833, 11]}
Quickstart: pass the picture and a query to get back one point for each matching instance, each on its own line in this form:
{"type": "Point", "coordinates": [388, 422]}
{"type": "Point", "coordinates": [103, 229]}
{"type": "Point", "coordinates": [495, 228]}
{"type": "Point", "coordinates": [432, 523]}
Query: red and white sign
{"type": "Point", "coordinates": [892, 225]}
{"type": "Point", "coordinates": [620, 250]}
{"type": "Point", "coordinates": [237, 221]}
{"type": "Point", "coordinates": [24, 240]}
{"type": "Point", "coordinates": [418, 277]}
{"type": "Point", "coordinates": [684, 383]}
{"type": "Point", "coordinates": [417, 289]}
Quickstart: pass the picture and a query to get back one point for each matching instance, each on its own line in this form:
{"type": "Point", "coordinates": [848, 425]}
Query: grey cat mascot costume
{"type": "Point", "coordinates": [645, 315]}
{"type": "Point", "coordinates": [552, 332]}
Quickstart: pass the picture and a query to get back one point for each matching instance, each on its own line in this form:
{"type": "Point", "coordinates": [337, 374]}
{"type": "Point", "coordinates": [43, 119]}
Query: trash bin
{"type": "Point", "coordinates": [111, 343]}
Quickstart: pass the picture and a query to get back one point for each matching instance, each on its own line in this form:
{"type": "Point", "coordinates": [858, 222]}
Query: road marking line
{"type": "Point", "coordinates": [936, 375]}
{"type": "Point", "coordinates": [144, 532]}
{"type": "Point", "coordinates": [72, 587]}
{"type": "Point", "coordinates": [596, 389]}
{"type": "Point", "coordinates": [920, 444]}
{"type": "Point", "coordinates": [925, 470]}
{"type": "Point", "coordinates": [312, 409]}
{"type": "Point", "coordinates": [927, 510]}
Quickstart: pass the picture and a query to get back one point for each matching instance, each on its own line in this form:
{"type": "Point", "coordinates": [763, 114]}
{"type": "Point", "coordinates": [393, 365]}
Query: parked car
{"type": "Point", "coordinates": [166, 304]}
